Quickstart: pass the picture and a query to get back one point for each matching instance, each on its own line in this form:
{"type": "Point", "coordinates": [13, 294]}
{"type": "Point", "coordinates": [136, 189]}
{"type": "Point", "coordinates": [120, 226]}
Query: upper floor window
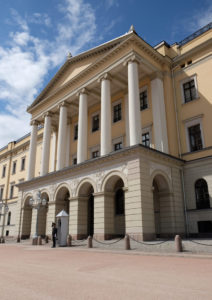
{"type": "Point", "coordinates": [189, 89]}
{"type": "Point", "coordinates": [75, 132]}
{"type": "Point", "coordinates": [95, 154]}
{"type": "Point", "coordinates": [118, 146]}
{"type": "Point", "coordinates": [1, 193]}
{"type": "Point", "coordinates": [74, 160]}
{"type": "Point", "coordinates": [9, 218]}
{"type": "Point", "coordinates": [117, 112]}
{"type": "Point", "coordinates": [11, 191]}
{"type": "Point", "coordinates": [143, 100]}
{"type": "Point", "coordinates": [14, 167]}
{"type": "Point", "coordinates": [119, 202]}
{"type": "Point", "coordinates": [202, 195]}
{"type": "Point", "coordinates": [95, 123]}
{"type": "Point", "coordinates": [146, 139]}
{"type": "Point", "coordinates": [23, 160]}
{"type": "Point", "coordinates": [4, 171]}
{"type": "Point", "coordinates": [195, 138]}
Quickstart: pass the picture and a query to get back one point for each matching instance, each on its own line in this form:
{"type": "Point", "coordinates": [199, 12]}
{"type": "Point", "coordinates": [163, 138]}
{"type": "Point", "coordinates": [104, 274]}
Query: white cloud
{"type": "Point", "coordinates": [111, 3]}
{"type": "Point", "coordinates": [28, 59]}
{"type": "Point", "coordinates": [199, 19]}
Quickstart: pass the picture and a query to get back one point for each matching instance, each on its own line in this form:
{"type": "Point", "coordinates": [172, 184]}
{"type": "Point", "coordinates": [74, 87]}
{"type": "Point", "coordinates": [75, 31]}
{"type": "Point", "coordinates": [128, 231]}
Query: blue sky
{"type": "Point", "coordinates": [35, 37]}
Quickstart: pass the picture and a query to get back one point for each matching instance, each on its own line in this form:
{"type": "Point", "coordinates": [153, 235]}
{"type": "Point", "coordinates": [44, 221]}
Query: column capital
{"type": "Point", "coordinates": [157, 74]}
{"type": "Point", "coordinates": [62, 104]}
{"type": "Point", "coordinates": [132, 58]}
{"type": "Point", "coordinates": [34, 122]}
{"type": "Point", "coordinates": [47, 114]}
{"type": "Point", "coordinates": [105, 76]}
{"type": "Point", "coordinates": [82, 91]}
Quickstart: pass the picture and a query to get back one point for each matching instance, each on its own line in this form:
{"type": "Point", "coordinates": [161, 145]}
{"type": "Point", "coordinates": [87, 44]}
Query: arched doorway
{"type": "Point", "coordinates": [62, 200]}
{"type": "Point", "coordinates": [26, 219]}
{"type": "Point", "coordinates": [163, 212]}
{"type": "Point", "coordinates": [86, 209]}
{"type": "Point", "coordinates": [115, 206]}
{"type": "Point", "coordinates": [42, 214]}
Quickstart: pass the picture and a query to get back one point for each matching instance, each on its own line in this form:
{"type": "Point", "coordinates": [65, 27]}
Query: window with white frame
{"type": "Point", "coordinates": [147, 136]}
{"type": "Point", "coordinates": [117, 113]}
{"type": "Point", "coordinates": [95, 152]}
{"type": "Point", "coordinates": [194, 134]}
{"type": "Point", "coordinates": [189, 89]}
{"type": "Point", "coordinates": [95, 122]}
{"type": "Point", "coordinates": [143, 98]}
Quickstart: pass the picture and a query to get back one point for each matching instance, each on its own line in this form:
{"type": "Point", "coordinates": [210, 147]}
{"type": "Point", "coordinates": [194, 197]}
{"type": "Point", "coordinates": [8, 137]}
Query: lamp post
{"type": "Point", "coordinates": [6, 209]}
{"type": "Point", "coordinates": [36, 204]}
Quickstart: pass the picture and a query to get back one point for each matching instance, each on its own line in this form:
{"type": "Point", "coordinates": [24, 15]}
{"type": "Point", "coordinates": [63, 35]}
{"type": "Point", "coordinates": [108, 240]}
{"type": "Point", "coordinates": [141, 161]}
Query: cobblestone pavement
{"type": "Point", "coordinates": [41, 273]}
{"type": "Point", "coordinates": [198, 246]}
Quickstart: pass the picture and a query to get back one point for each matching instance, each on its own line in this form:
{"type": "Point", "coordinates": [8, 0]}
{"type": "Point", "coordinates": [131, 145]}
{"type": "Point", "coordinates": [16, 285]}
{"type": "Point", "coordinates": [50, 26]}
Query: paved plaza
{"type": "Point", "coordinates": [39, 272]}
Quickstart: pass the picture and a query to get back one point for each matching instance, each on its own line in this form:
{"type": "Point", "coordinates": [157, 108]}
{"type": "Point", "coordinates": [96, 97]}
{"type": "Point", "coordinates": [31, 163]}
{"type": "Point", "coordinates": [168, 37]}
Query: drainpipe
{"type": "Point", "coordinates": [180, 151]}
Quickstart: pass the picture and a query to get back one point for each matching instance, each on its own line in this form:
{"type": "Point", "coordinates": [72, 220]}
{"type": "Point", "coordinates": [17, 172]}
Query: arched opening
{"type": "Point", "coordinates": [26, 220]}
{"type": "Point", "coordinates": [202, 195]}
{"type": "Point", "coordinates": [86, 209]}
{"type": "Point", "coordinates": [163, 214]}
{"type": "Point", "coordinates": [115, 206]}
{"type": "Point", "coordinates": [62, 200]}
{"type": "Point", "coordinates": [42, 214]}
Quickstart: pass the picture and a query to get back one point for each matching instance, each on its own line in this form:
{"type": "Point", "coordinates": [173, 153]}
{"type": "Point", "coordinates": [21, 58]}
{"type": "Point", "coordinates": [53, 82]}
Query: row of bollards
{"type": "Point", "coordinates": [38, 241]}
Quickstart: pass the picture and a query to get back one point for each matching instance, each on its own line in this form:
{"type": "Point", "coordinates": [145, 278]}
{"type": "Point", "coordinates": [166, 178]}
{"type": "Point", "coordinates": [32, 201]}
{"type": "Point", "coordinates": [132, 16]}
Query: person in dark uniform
{"type": "Point", "coordinates": [54, 234]}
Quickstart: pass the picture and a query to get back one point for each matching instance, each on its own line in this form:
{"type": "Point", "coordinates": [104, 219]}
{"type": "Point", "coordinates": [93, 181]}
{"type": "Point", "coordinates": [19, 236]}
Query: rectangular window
{"type": "Point", "coordinates": [23, 163]}
{"type": "Point", "coordinates": [143, 100]}
{"type": "Point", "coordinates": [189, 91]}
{"type": "Point", "coordinates": [195, 138]}
{"type": "Point", "coordinates": [146, 139]}
{"type": "Point", "coordinates": [11, 191]}
{"type": "Point", "coordinates": [205, 226]}
{"type": "Point", "coordinates": [95, 154]}
{"type": "Point", "coordinates": [75, 132]}
{"type": "Point", "coordinates": [14, 167]}
{"type": "Point", "coordinates": [118, 146]}
{"type": "Point", "coordinates": [1, 193]}
{"type": "Point", "coordinates": [4, 171]}
{"type": "Point", "coordinates": [117, 113]}
{"type": "Point", "coordinates": [95, 123]}
{"type": "Point", "coordinates": [74, 161]}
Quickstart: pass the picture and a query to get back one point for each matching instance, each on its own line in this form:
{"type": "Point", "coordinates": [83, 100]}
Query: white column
{"type": "Point", "coordinates": [159, 115]}
{"type": "Point", "coordinates": [68, 141]}
{"type": "Point", "coordinates": [82, 127]}
{"type": "Point", "coordinates": [127, 138]}
{"type": "Point", "coordinates": [61, 145]}
{"type": "Point", "coordinates": [134, 105]}
{"type": "Point", "coordinates": [105, 115]}
{"type": "Point", "coordinates": [32, 151]}
{"type": "Point", "coordinates": [46, 145]}
{"type": "Point", "coordinates": [53, 150]}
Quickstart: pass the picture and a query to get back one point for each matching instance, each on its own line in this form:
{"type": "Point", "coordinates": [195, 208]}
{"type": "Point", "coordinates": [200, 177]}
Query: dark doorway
{"type": "Point", "coordinates": [91, 215]}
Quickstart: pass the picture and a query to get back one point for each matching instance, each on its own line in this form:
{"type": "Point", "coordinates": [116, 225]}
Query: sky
{"type": "Point", "coordinates": [36, 36]}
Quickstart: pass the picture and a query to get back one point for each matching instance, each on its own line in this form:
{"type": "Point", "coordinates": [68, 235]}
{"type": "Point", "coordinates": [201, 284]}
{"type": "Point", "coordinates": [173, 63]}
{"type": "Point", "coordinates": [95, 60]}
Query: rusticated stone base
{"type": "Point", "coordinates": [79, 236]}
{"type": "Point", "coordinates": [142, 236]}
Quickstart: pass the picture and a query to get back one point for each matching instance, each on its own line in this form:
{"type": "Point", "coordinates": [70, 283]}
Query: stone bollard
{"type": "Point", "coordinates": [34, 241]}
{"type": "Point", "coordinates": [178, 243]}
{"type": "Point", "coordinates": [90, 242]}
{"type": "Point", "coordinates": [69, 240]}
{"type": "Point", "coordinates": [39, 240]}
{"type": "Point", "coordinates": [127, 242]}
{"type": "Point", "coordinates": [18, 239]}
{"type": "Point", "coordinates": [46, 239]}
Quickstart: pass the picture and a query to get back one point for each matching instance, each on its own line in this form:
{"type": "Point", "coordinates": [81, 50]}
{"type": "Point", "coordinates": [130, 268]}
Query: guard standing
{"type": "Point", "coordinates": [54, 234]}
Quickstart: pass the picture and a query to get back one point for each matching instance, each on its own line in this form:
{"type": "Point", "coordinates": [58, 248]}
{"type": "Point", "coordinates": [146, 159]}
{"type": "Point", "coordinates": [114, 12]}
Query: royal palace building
{"type": "Point", "coordinates": [121, 140]}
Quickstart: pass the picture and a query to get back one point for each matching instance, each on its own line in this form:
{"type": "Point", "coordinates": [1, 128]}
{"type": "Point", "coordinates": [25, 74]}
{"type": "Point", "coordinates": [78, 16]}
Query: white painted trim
{"type": "Point", "coordinates": [118, 140]}
{"type": "Point", "coordinates": [93, 149]}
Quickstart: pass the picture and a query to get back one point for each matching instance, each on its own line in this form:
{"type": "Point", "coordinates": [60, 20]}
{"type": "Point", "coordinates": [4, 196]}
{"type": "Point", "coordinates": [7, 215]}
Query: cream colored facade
{"type": "Point", "coordinates": [120, 94]}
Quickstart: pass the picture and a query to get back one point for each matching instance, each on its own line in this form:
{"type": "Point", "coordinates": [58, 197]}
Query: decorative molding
{"type": "Point", "coordinates": [82, 91]}
{"type": "Point", "coordinates": [133, 58]}
{"type": "Point", "coordinates": [105, 76]}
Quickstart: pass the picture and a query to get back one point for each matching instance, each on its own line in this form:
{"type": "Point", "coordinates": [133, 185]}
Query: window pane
{"type": "Point", "coordinates": [95, 123]}
{"type": "Point", "coordinates": [195, 138]}
{"type": "Point", "coordinates": [117, 113]}
{"type": "Point", "coordinates": [143, 100]}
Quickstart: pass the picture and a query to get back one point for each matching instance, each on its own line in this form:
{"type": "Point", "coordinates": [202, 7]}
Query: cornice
{"type": "Point", "coordinates": [97, 163]}
{"type": "Point", "coordinates": [129, 40]}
